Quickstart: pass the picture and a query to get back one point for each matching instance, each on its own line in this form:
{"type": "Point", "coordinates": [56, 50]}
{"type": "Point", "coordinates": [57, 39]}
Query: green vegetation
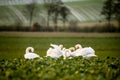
{"type": "Point", "coordinates": [14, 46]}
{"type": "Point", "coordinates": [52, 69]}
{"type": "Point", "coordinates": [13, 66]}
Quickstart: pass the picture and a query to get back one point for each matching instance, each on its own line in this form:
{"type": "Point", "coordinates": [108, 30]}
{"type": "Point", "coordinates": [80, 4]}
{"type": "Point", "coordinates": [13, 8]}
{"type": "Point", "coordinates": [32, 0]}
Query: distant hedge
{"type": "Point", "coordinates": [39, 28]}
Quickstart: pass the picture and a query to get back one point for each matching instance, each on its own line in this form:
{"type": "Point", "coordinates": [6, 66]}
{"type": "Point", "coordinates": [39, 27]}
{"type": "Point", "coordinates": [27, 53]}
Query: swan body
{"type": "Point", "coordinates": [86, 52]}
{"type": "Point", "coordinates": [54, 52]}
{"type": "Point", "coordinates": [30, 55]}
{"type": "Point", "coordinates": [57, 51]}
{"type": "Point", "coordinates": [57, 47]}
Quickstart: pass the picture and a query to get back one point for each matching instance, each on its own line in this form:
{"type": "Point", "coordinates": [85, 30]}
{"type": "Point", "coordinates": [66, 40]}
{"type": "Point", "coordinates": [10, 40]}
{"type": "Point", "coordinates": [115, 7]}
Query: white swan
{"type": "Point", "coordinates": [86, 52]}
{"type": "Point", "coordinates": [30, 55]}
{"type": "Point", "coordinates": [54, 52]}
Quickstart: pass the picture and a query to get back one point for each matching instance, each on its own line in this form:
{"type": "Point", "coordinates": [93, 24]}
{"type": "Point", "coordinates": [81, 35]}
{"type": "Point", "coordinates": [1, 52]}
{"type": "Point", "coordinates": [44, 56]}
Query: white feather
{"type": "Point", "coordinates": [86, 52]}
{"type": "Point", "coordinates": [54, 52]}
{"type": "Point", "coordinates": [58, 48]}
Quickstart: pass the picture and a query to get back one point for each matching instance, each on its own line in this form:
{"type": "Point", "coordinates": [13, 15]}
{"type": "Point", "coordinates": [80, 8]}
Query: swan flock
{"type": "Point", "coordinates": [56, 51]}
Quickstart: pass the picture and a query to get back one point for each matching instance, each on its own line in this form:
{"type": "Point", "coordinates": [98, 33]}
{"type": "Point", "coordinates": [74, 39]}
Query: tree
{"type": "Point", "coordinates": [55, 9]}
{"type": "Point", "coordinates": [108, 10]}
{"type": "Point", "coordinates": [64, 13]}
{"type": "Point", "coordinates": [56, 12]}
{"type": "Point", "coordinates": [116, 11]}
{"type": "Point", "coordinates": [31, 8]}
{"type": "Point", "coordinates": [49, 7]}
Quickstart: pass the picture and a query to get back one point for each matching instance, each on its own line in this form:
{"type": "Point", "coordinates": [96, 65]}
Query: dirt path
{"type": "Point", "coordinates": [58, 34]}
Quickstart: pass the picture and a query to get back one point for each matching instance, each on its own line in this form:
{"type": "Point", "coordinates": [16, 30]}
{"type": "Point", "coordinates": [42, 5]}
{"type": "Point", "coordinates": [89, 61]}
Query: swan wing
{"type": "Point", "coordinates": [53, 53]}
{"type": "Point", "coordinates": [88, 52]}
{"type": "Point", "coordinates": [49, 51]}
{"type": "Point", "coordinates": [78, 52]}
{"type": "Point", "coordinates": [58, 48]}
{"type": "Point", "coordinates": [31, 56]}
{"type": "Point", "coordinates": [55, 46]}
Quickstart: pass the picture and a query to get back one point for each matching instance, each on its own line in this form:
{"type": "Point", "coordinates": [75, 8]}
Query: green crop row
{"type": "Point", "coordinates": [76, 68]}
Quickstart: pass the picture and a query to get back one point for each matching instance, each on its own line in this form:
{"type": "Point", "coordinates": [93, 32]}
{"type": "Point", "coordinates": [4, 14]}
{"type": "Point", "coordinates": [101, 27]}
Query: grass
{"type": "Point", "coordinates": [14, 46]}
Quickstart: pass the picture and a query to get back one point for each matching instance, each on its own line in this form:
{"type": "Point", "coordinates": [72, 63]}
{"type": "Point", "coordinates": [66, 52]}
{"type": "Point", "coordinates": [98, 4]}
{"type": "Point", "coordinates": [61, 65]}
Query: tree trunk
{"type": "Point", "coordinates": [119, 24]}
{"type": "Point", "coordinates": [63, 23]}
{"type": "Point", "coordinates": [31, 17]}
{"type": "Point", "coordinates": [30, 20]}
{"type": "Point", "coordinates": [55, 21]}
{"type": "Point", "coordinates": [56, 27]}
{"type": "Point", "coordinates": [109, 20]}
{"type": "Point", "coordinates": [48, 17]}
{"type": "Point", "coordinates": [109, 23]}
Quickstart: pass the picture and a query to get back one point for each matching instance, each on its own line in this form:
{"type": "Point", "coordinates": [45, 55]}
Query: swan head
{"type": "Point", "coordinates": [29, 49]}
{"type": "Point", "coordinates": [72, 49]}
{"type": "Point", "coordinates": [78, 46]}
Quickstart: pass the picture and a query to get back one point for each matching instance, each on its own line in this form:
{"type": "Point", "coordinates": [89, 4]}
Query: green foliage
{"type": "Point", "coordinates": [14, 67]}
{"type": "Point", "coordinates": [59, 69]}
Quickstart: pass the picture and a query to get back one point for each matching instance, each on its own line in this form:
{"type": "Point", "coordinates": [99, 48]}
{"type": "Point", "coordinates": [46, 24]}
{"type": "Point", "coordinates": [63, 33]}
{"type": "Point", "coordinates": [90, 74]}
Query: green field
{"type": "Point", "coordinates": [13, 45]}
{"type": "Point", "coordinates": [81, 11]}
{"type": "Point", "coordinates": [13, 66]}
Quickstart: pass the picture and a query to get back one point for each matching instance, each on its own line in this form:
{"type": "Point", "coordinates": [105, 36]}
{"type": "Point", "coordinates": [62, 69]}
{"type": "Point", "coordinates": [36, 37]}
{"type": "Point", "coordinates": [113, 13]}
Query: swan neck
{"type": "Point", "coordinates": [67, 53]}
{"type": "Point", "coordinates": [28, 50]}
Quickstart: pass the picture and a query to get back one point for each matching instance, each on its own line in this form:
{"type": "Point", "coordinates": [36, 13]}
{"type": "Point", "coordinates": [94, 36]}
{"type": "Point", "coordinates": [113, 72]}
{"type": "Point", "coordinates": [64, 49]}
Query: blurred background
{"type": "Point", "coordinates": [60, 15]}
